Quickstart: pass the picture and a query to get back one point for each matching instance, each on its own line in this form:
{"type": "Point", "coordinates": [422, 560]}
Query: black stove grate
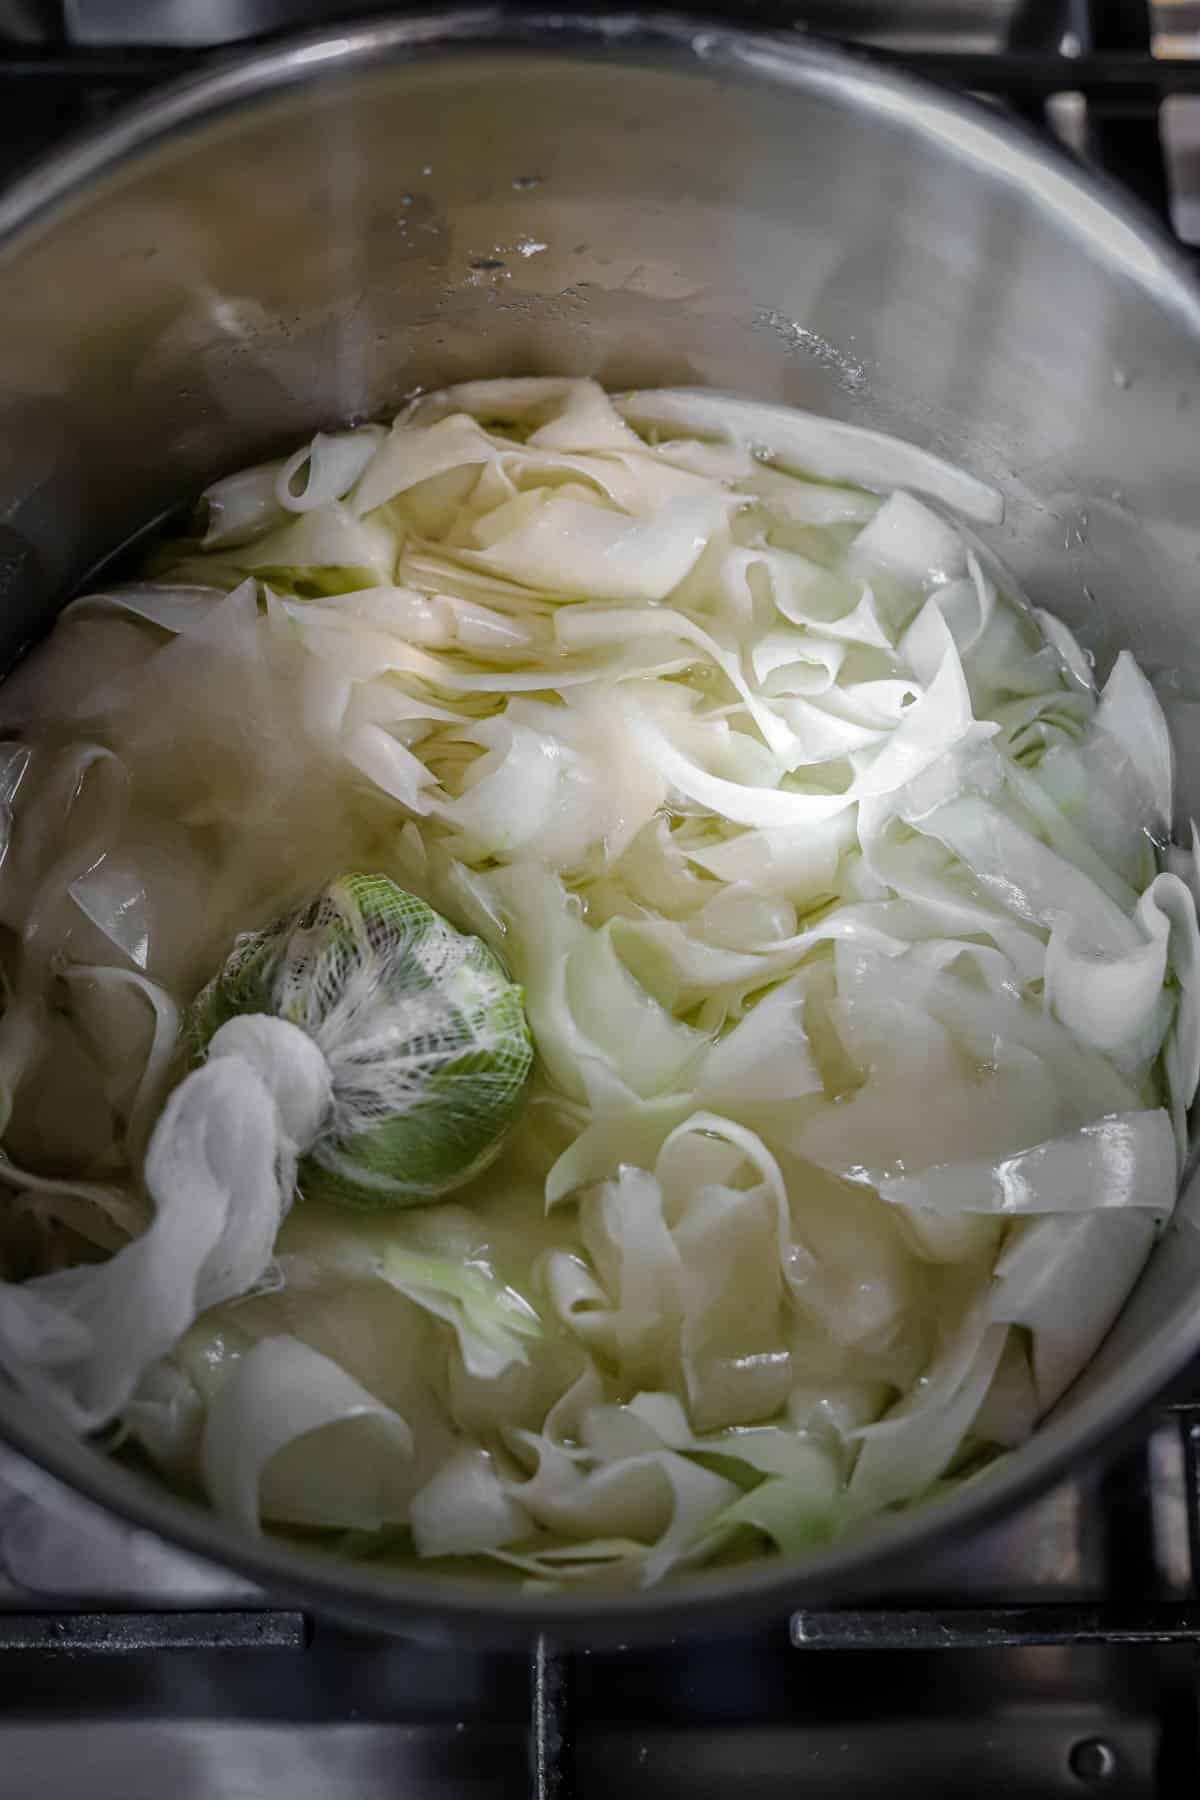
{"type": "Point", "coordinates": [1102, 51]}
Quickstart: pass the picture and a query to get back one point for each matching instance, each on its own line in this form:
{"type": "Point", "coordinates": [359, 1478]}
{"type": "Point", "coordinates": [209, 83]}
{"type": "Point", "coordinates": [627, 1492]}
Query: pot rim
{"type": "Point", "coordinates": [1115, 227]}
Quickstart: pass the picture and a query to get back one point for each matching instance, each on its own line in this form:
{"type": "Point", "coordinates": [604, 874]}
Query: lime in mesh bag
{"type": "Point", "coordinates": [424, 1034]}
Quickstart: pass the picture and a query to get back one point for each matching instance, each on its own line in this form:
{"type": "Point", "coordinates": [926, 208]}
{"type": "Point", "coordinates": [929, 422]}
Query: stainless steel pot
{"type": "Point", "coordinates": [304, 236]}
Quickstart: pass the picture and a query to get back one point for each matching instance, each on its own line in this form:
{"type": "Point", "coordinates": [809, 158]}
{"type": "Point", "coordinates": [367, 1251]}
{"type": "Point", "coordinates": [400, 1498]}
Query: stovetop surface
{"type": "Point", "coordinates": [1053, 1655]}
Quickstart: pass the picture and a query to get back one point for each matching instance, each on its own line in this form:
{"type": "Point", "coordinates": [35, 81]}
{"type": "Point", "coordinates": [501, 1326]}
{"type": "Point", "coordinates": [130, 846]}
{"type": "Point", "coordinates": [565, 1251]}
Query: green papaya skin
{"type": "Point", "coordinates": [424, 1033]}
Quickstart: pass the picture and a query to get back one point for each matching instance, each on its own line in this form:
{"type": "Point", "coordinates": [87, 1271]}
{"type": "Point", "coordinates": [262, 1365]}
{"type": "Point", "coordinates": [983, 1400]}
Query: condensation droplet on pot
{"type": "Point", "coordinates": [1121, 377]}
{"type": "Point", "coordinates": [1088, 595]}
{"type": "Point", "coordinates": [427, 169]}
{"type": "Point", "coordinates": [406, 199]}
{"type": "Point", "coordinates": [798, 339]}
{"type": "Point", "coordinates": [524, 183]}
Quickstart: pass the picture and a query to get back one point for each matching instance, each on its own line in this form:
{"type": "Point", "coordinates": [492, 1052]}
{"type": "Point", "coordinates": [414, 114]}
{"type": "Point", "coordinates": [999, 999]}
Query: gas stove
{"type": "Point", "coordinates": [1051, 1656]}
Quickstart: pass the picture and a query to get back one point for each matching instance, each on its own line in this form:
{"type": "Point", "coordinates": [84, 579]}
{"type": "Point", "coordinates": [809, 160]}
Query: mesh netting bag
{"type": "Point", "coordinates": [424, 1034]}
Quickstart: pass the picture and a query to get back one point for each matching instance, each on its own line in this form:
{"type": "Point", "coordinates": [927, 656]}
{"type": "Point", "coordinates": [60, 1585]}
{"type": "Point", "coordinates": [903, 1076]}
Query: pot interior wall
{"type": "Point", "coordinates": [709, 212]}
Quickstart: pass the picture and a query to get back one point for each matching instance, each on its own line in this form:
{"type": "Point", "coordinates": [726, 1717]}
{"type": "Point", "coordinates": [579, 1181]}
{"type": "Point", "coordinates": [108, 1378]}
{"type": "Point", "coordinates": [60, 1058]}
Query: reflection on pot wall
{"type": "Point", "coordinates": [625, 223]}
